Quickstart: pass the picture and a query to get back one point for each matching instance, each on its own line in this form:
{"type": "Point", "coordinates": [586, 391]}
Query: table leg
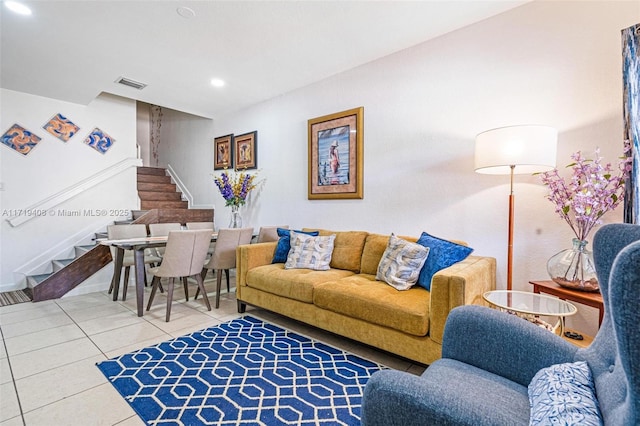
{"type": "Point", "coordinates": [117, 270]}
{"type": "Point", "coordinates": [140, 275]}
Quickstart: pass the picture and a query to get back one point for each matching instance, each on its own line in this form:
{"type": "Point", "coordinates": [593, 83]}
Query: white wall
{"type": "Point", "coordinates": [552, 63]}
{"type": "Point", "coordinates": [143, 132]}
{"type": "Point", "coordinates": [186, 144]}
{"type": "Point", "coordinates": [53, 166]}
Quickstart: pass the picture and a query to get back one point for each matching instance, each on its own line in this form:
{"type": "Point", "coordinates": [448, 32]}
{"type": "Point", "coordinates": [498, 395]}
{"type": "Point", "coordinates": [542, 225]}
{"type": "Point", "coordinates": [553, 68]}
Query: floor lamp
{"type": "Point", "coordinates": [515, 150]}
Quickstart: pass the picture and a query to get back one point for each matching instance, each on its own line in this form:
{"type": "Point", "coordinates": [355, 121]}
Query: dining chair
{"type": "Point", "coordinates": [200, 225]}
{"type": "Point", "coordinates": [162, 230]}
{"type": "Point", "coordinates": [119, 232]}
{"type": "Point", "coordinates": [203, 225]}
{"type": "Point", "coordinates": [224, 255]}
{"type": "Point", "coordinates": [269, 233]}
{"type": "Point", "coordinates": [184, 255]}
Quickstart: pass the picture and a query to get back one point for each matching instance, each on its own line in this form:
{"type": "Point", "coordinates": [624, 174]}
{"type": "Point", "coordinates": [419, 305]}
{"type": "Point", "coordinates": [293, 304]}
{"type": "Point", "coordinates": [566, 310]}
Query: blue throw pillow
{"type": "Point", "coordinates": [564, 394]}
{"type": "Point", "coordinates": [284, 244]}
{"type": "Point", "coordinates": [442, 254]}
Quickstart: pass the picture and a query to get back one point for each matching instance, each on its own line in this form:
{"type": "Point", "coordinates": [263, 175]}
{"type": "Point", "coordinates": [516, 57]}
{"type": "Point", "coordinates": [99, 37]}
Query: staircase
{"type": "Point", "coordinates": [68, 273]}
{"type": "Point", "coordinates": [160, 202]}
{"type": "Point", "coordinates": [156, 191]}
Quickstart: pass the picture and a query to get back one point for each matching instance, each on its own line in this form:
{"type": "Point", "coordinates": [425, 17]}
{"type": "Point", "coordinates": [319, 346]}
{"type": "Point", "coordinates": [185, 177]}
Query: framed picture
{"type": "Point", "coordinates": [223, 154]}
{"type": "Point", "coordinates": [245, 151]}
{"type": "Point", "coordinates": [631, 97]}
{"type": "Point", "coordinates": [336, 157]}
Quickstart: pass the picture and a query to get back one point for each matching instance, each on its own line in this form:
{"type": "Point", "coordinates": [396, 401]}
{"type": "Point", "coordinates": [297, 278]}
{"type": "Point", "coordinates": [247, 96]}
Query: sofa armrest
{"type": "Point", "coordinates": [462, 283]}
{"type": "Point", "coordinates": [502, 343]}
{"type": "Point", "coordinates": [250, 256]}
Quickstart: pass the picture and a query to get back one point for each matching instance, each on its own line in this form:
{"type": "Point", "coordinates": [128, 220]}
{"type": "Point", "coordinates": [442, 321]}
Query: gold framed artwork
{"type": "Point", "coordinates": [245, 151]}
{"type": "Point", "coordinates": [336, 157]}
{"type": "Point", "coordinates": [222, 152]}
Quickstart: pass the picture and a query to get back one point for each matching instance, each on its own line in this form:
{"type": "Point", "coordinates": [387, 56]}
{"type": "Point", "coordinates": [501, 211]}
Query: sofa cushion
{"type": "Point", "coordinates": [564, 394]}
{"type": "Point", "coordinates": [309, 252]}
{"type": "Point", "coordinates": [374, 247]}
{"type": "Point", "coordinates": [347, 248]}
{"type": "Point", "coordinates": [294, 284]}
{"type": "Point", "coordinates": [442, 254]}
{"type": "Point", "coordinates": [401, 263]}
{"type": "Point", "coordinates": [361, 296]}
{"type": "Point", "coordinates": [284, 244]}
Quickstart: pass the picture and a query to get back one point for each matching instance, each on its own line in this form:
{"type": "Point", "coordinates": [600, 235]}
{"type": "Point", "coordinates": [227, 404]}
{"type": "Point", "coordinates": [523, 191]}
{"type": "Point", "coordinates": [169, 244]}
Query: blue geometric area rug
{"type": "Point", "coordinates": [242, 372]}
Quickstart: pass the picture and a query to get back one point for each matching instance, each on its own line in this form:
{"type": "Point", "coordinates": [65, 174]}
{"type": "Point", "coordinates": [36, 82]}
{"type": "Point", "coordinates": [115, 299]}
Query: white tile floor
{"type": "Point", "coordinates": [49, 350]}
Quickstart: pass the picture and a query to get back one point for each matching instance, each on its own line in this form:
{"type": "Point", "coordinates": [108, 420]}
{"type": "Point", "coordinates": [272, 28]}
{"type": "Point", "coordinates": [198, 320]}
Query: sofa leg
{"type": "Point", "coordinates": [242, 307]}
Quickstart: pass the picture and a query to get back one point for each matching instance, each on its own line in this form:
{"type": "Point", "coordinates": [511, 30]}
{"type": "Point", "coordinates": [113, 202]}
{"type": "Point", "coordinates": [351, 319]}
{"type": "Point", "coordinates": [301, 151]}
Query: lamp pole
{"type": "Point", "coordinates": [510, 244]}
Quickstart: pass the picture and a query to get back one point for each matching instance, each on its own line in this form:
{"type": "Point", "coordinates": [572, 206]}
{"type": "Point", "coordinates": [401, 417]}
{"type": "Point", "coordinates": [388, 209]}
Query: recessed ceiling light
{"type": "Point", "coordinates": [16, 7]}
{"type": "Point", "coordinates": [216, 82]}
{"type": "Point", "coordinates": [186, 12]}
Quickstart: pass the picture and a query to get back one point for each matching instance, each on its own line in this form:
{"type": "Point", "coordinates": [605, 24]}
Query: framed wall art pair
{"type": "Point", "coordinates": [237, 152]}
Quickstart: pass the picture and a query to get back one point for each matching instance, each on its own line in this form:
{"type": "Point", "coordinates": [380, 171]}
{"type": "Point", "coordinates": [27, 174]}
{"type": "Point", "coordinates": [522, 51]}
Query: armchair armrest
{"type": "Point", "coordinates": [502, 344]}
{"type": "Point", "coordinates": [397, 398]}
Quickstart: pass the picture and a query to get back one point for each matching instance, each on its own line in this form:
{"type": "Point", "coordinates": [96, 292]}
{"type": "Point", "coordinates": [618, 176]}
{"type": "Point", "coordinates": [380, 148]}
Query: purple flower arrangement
{"type": "Point", "coordinates": [592, 191]}
{"type": "Point", "coordinates": [235, 188]}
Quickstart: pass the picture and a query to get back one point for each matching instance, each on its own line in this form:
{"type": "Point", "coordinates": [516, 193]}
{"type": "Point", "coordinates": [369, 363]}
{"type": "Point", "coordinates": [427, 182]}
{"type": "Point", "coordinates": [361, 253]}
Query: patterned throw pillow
{"type": "Point", "coordinates": [284, 244]}
{"type": "Point", "coordinates": [442, 255]}
{"type": "Point", "coordinates": [401, 263]}
{"type": "Point", "coordinates": [564, 394]}
{"type": "Point", "coordinates": [310, 252]}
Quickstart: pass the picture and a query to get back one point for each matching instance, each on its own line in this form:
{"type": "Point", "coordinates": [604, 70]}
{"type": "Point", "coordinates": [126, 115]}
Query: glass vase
{"type": "Point", "coordinates": [236, 219]}
{"type": "Point", "coordinates": [573, 268]}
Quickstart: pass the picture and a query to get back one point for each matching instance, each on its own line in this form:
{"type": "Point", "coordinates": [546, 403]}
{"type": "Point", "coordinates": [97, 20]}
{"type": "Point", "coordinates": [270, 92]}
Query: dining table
{"type": "Point", "coordinates": [138, 246]}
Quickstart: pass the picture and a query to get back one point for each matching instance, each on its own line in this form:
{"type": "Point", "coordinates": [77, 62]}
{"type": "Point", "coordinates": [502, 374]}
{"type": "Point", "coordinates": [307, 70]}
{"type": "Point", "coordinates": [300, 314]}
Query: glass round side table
{"type": "Point", "coordinates": [531, 306]}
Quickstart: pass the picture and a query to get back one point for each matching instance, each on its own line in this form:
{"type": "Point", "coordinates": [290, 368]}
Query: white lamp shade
{"type": "Point", "coordinates": [530, 149]}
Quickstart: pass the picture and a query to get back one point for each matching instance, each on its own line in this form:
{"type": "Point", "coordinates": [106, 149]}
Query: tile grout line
{"type": "Point", "coordinates": [13, 379]}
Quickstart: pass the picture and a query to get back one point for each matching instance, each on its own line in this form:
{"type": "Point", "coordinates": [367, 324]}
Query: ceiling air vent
{"type": "Point", "coordinates": [131, 83]}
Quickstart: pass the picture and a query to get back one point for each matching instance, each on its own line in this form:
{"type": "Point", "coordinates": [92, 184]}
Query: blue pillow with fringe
{"type": "Point", "coordinates": [284, 244]}
{"type": "Point", "coordinates": [442, 254]}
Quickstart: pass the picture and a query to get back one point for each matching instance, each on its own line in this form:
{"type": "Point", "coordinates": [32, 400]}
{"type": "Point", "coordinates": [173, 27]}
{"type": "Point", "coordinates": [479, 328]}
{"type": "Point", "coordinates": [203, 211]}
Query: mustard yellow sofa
{"type": "Point", "coordinates": [347, 299]}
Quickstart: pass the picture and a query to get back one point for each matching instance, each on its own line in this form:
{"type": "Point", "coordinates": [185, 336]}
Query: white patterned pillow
{"type": "Point", "coordinates": [401, 263]}
{"type": "Point", "coordinates": [309, 252]}
{"type": "Point", "coordinates": [564, 394]}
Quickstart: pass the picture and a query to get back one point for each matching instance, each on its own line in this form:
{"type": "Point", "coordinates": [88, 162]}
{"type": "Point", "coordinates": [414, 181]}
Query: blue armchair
{"type": "Point", "coordinates": [489, 357]}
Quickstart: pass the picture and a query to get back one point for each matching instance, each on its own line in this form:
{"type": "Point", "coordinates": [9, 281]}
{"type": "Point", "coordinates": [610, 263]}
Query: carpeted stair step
{"type": "Point", "coordinates": [158, 171]}
{"type": "Point", "coordinates": [164, 205]}
{"type": "Point", "coordinates": [161, 187]}
{"type": "Point", "coordinates": [159, 196]}
{"type": "Point", "coordinates": [154, 179]}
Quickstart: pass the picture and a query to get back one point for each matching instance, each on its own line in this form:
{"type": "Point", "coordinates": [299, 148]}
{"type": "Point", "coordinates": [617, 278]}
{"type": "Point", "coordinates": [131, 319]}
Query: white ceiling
{"type": "Point", "coordinates": [74, 50]}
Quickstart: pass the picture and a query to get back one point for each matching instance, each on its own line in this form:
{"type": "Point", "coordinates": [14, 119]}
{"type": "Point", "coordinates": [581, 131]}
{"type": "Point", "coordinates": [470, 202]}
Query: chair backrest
{"type": "Point", "coordinates": [185, 253]}
{"type": "Point", "coordinates": [615, 352]}
{"type": "Point", "coordinates": [121, 232]}
{"type": "Point", "coordinates": [224, 255]}
{"type": "Point", "coordinates": [269, 233]}
{"type": "Point", "coordinates": [200, 225]}
{"type": "Point", "coordinates": [163, 229]}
